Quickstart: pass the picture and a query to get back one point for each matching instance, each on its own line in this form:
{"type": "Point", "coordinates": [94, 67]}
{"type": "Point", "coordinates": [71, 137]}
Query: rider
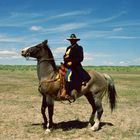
{"type": "Point", "coordinates": [76, 76]}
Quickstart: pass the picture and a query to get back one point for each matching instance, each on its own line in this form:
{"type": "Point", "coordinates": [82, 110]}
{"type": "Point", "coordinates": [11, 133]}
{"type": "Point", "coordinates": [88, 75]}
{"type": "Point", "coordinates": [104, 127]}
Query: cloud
{"type": "Point", "coordinates": [88, 56]}
{"type": "Point", "coordinates": [73, 13]}
{"type": "Point", "coordinates": [108, 19]}
{"type": "Point", "coordinates": [124, 37]}
{"type": "Point", "coordinates": [123, 63]}
{"type": "Point", "coordinates": [101, 55]}
{"type": "Point", "coordinates": [92, 34]}
{"type": "Point", "coordinates": [17, 40]}
{"type": "Point", "coordinates": [9, 54]}
{"type": "Point", "coordinates": [108, 63]}
{"type": "Point", "coordinates": [127, 23]}
{"type": "Point", "coordinates": [136, 61]}
{"type": "Point", "coordinates": [19, 19]}
{"type": "Point", "coordinates": [8, 38]}
{"type": "Point", "coordinates": [58, 54]}
{"type": "Point", "coordinates": [117, 29]}
{"type": "Point", "coordinates": [36, 28]}
{"type": "Point", "coordinates": [59, 50]}
{"type": "Point", "coordinates": [64, 27]}
{"type": "Point", "coordinates": [15, 19]}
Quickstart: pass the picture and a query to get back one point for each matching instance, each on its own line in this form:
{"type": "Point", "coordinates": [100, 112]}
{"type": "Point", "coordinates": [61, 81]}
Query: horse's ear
{"type": "Point", "coordinates": [45, 42]}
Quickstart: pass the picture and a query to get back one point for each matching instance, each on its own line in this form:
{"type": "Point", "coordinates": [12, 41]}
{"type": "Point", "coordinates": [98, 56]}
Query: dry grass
{"type": "Point", "coordinates": [20, 116]}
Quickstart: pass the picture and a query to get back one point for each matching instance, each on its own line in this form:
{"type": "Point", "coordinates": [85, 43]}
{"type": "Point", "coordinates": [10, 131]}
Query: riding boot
{"type": "Point", "coordinates": [64, 92]}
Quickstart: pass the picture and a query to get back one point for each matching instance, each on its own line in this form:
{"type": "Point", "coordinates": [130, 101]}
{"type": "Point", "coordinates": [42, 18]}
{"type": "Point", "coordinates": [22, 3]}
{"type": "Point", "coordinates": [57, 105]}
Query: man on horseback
{"type": "Point", "coordinates": [75, 75]}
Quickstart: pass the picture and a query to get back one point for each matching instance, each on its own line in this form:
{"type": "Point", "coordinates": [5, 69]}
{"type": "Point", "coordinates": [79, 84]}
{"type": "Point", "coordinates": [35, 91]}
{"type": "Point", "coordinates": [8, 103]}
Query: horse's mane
{"type": "Point", "coordinates": [50, 56]}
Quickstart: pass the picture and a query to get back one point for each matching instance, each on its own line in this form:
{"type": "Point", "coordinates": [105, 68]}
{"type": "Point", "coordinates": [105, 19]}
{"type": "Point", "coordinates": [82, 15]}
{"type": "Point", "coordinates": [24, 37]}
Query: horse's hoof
{"type": "Point", "coordinates": [94, 128]}
{"type": "Point", "coordinates": [47, 131]}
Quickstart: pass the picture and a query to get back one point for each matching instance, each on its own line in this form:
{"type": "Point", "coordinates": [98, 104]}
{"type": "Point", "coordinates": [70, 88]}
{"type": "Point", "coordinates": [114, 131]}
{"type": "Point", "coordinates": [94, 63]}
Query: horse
{"type": "Point", "coordinates": [49, 86]}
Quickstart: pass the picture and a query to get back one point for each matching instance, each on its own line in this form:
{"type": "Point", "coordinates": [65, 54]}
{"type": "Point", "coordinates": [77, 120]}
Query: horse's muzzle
{"type": "Point", "coordinates": [25, 53]}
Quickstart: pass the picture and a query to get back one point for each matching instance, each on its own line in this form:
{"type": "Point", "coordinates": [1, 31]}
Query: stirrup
{"type": "Point", "coordinates": [67, 97]}
{"type": "Point", "coordinates": [63, 95]}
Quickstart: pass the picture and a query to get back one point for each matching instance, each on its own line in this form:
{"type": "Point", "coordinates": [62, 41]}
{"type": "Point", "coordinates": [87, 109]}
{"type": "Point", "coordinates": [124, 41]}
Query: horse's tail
{"type": "Point", "coordinates": [111, 91]}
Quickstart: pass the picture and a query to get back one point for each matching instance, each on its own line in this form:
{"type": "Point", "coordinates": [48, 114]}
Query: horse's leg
{"type": "Point", "coordinates": [98, 104]}
{"type": "Point", "coordinates": [43, 108]}
{"type": "Point", "coordinates": [50, 105]}
{"type": "Point", "coordinates": [90, 99]}
{"type": "Point", "coordinates": [50, 113]}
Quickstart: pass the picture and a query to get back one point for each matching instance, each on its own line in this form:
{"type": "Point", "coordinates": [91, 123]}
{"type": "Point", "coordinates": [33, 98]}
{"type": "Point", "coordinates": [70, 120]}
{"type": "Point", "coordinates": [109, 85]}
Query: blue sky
{"type": "Point", "coordinates": [109, 29]}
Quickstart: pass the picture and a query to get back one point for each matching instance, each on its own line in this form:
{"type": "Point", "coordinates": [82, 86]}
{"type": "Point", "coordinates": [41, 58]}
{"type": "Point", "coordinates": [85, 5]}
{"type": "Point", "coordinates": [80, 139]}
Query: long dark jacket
{"type": "Point", "coordinates": [74, 53]}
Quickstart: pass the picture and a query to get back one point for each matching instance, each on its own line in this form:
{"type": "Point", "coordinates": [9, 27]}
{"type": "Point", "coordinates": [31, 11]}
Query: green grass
{"type": "Point", "coordinates": [97, 68]}
{"type": "Point", "coordinates": [124, 69]}
{"type": "Point", "coordinates": [18, 67]}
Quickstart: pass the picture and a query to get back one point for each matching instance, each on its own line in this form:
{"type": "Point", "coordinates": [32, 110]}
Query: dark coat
{"type": "Point", "coordinates": [76, 56]}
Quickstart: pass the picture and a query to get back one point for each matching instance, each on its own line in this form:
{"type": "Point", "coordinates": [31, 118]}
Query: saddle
{"type": "Point", "coordinates": [62, 72]}
{"type": "Point", "coordinates": [63, 92]}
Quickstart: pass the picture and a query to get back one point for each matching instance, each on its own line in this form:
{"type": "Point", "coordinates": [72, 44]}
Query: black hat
{"type": "Point", "coordinates": [73, 37]}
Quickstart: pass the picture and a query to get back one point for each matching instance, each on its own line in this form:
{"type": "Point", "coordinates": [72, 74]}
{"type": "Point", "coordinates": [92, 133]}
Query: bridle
{"type": "Point", "coordinates": [47, 59]}
{"type": "Point", "coordinates": [39, 60]}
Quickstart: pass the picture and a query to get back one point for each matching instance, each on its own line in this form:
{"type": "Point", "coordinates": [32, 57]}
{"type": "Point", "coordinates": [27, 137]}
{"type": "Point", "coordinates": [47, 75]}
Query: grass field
{"type": "Point", "coordinates": [20, 117]}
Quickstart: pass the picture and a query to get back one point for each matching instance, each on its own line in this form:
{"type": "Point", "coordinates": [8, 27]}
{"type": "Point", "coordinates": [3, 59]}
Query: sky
{"type": "Point", "coordinates": [109, 30]}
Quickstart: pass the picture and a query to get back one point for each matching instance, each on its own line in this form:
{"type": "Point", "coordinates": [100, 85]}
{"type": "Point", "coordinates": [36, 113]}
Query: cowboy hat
{"type": "Point", "coordinates": [73, 37]}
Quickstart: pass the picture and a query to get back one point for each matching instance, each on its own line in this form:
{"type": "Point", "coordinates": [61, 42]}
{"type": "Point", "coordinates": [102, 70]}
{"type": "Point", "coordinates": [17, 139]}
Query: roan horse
{"type": "Point", "coordinates": [49, 85]}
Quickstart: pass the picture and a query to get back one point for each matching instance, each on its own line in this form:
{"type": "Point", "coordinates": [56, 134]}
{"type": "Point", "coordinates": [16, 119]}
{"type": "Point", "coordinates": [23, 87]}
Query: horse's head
{"type": "Point", "coordinates": [37, 51]}
{"type": "Point", "coordinates": [41, 52]}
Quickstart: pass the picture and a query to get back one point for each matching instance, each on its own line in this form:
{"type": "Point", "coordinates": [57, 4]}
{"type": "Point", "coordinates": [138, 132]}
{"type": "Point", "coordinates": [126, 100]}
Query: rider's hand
{"type": "Point", "coordinates": [69, 63]}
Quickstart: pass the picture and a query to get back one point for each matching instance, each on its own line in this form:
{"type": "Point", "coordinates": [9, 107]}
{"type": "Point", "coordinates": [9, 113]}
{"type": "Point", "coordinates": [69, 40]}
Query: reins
{"type": "Point", "coordinates": [48, 59]}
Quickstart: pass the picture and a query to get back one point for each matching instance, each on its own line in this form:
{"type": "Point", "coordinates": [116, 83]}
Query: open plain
{"type": "Point", "coordinates": [20, 102]}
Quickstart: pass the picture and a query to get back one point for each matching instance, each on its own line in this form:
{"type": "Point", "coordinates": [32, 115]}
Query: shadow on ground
{"type": "Point", "coordinates": [102, 124]}
{"type": "Point", "coordinates": [73, 124]}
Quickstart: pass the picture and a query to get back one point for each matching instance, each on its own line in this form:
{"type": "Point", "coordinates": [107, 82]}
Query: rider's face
{"type": "Point", "coordinates": [73, 41]}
